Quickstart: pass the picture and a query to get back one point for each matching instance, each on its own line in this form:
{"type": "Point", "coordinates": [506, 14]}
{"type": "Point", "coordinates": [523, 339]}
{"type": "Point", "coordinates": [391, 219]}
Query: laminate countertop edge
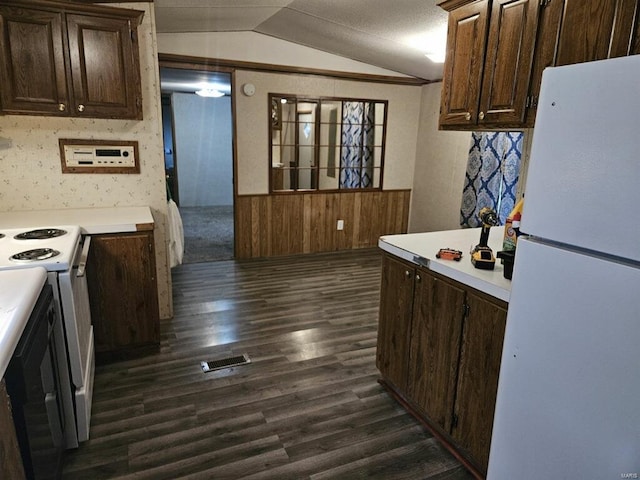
{"type": "Point", "coordinates": [92, 221]}
{"type": "Point", "coordinates": [19, 291]}
{"type": "Point", "coordinates": [421, 249]}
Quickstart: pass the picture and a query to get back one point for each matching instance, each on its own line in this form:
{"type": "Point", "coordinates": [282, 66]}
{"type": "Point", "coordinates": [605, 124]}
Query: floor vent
{"type": "Point", "coordinates": [225, 363]}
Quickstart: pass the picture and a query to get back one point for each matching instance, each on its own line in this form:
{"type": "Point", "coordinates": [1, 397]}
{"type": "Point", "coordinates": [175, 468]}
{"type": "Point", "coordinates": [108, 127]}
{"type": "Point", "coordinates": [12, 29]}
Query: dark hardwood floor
{"type": "Point", "coordinates": [308, 406]}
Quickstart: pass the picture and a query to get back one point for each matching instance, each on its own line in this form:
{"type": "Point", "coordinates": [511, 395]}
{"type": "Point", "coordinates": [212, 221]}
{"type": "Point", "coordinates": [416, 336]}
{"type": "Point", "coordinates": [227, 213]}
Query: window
{"type": "Point", "coordinates": [326, 143]}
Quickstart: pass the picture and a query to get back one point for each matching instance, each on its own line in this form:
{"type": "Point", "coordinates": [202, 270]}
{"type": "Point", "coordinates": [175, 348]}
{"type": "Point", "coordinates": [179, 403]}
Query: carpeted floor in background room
{"type": "Point", "coordinates": [208, 233]}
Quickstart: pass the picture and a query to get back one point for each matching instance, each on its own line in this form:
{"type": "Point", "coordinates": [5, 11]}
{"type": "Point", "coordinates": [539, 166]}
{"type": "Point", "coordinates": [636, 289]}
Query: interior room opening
{"type": "Point", "coordinates": [197, 130]}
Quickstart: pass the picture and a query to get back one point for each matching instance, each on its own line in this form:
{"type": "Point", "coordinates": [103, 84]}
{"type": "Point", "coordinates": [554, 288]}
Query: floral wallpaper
{"type": "Point", "coordinates": [31, 176]}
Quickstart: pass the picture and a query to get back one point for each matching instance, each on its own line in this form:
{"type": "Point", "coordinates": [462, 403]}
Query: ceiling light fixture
{"type": "Point", "coordinates": [432, 43]}
{"type": "Point", "coordinates": [436, 57]}
{"type": "Point", "coordinates": [209, 92]}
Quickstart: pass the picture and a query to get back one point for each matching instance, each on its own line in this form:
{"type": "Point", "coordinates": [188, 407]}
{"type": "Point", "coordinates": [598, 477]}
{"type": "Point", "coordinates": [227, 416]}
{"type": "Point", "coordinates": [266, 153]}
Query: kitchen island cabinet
{"type": "Point", "coordinates": [435, 347]}
{"type": "Point", "coordinates": [440, 339]}
{"type": "Point", "coordinates": [123, 294]}
{"type": "Point", "coordinates": [478, 371]}
{"type": "Point", "coordinates": [63, 59]}
{"type": "Point", "coordinates": [394, 326]}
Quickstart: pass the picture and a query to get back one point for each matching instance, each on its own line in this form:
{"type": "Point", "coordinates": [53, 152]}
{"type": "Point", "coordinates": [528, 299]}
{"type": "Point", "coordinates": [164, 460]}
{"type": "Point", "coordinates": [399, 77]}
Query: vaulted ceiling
{"type": "Point", "coordinates": [391, 34]}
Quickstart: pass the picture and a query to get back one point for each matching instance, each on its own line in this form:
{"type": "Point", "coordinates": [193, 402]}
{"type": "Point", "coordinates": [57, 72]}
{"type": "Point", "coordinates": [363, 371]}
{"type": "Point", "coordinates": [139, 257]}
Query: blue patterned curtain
{"type": "Point", "coordinates": [357, 158]}
{"type": "Point", "coordinates": [492, 175]}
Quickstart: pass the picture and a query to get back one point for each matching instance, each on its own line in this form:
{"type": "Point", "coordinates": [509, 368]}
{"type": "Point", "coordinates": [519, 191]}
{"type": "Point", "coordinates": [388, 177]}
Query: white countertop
{"type": "Point", "coordinates": [421, 249]}
{"type": "Point", "coordinates": [19, 291]}
{"type": "Point", "coordinates": [91, 220]}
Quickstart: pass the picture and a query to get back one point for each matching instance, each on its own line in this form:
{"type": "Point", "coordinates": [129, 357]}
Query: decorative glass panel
{"type": "Point", "coordinates": [326, 144]}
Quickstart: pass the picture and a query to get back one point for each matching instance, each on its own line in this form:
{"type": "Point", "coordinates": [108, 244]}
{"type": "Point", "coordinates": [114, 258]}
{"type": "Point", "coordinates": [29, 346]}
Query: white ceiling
{"type": "Point", "coordinates": [390, 34]}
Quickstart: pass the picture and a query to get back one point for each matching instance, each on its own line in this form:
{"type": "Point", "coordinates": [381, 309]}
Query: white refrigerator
{"type": "Point", "coordinates": [568, 402]}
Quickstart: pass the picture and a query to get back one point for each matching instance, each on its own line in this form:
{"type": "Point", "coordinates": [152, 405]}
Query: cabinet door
{"type": "Point", "coordinates": [435, 346]}
{"type": "Point", "coordinates": [549, 20]}
{"type": "Point", "coordinates": [505, 84]}
{"type": "Point", "coordinates": [480, 356]}
{"type": "Point", "coordinates": [635, 37]}
{"type": "Point", "coordinates": [625, 21]}
{"type": "Point", "coordinates": [595, 30]}
{"type": "Point", "coordinates": [104, 67]}
{"type": "Point", "coordinates": [464, 65]}
{"type": "Point", "coordinates": [123, 291]}
{"type": "Point", "coordinates": [32, 64]}
{"type": "Point", "coordinates": [394, 324]}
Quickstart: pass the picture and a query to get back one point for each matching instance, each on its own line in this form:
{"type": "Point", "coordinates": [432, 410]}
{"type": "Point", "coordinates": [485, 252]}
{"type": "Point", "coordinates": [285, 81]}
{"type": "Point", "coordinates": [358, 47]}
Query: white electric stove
{"type": "Point", "coordinates": [52, 247]}
{"type": "Point", "coordinates": [63, 252]}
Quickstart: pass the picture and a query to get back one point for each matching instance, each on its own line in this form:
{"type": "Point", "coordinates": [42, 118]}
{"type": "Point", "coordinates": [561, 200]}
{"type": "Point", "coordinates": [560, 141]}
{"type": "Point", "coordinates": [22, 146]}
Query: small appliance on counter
{"type": "Point", "coordinates": [482, 255]}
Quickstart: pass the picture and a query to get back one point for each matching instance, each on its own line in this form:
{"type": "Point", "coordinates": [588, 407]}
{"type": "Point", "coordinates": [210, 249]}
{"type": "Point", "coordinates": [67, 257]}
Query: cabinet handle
{"type": "Point", "coordinates": [62, 107]}
{"type": "Point", "coordinates": [467, 116]}
{"type": "Point", "coordinates": [81, 108]}
{"type": "Point", "coordinates": [418, 277]}
{"type": "Point", "coordinates": [407, 273]}
{"type": "Point", "coordinates": [82, 264]}
{"type": "Point", "coordinates": [481, 116]}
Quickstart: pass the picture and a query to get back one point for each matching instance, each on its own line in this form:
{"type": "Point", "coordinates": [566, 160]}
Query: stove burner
{"type": "Point", "coordinates": [34, 255]}
{"type": "Point", "coordinates": [40, 234]}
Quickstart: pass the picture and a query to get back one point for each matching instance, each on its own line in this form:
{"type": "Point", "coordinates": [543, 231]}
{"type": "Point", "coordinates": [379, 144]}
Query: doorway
{"type": "Point", "coordinates": [198, 148]}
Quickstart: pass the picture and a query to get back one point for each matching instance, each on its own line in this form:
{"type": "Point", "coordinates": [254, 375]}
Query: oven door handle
{"type": "Point", "coordinates": [82, 264]}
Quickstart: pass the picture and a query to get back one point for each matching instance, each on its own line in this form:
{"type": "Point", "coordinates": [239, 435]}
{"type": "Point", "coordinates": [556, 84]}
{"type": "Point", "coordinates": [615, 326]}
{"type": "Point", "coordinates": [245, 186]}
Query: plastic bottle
{"type": "Point", "coordinates": [512, 227]}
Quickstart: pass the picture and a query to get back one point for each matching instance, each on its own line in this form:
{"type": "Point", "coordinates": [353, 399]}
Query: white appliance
{"type": "Point", "coordinates": [62, 251]}
{"type": "Point", "coordinates": [568, 402]}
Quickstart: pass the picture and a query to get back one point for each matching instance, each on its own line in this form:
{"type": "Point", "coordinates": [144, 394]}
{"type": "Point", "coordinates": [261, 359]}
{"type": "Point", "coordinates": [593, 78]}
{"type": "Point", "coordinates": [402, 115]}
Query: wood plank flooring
{"type": "Point", "coordinates": [308, 406]}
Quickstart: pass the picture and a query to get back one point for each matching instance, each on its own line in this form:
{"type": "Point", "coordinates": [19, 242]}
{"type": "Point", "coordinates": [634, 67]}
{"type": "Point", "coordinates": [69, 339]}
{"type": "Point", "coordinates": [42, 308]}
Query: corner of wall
{"type": "Point", "coordinates": [440, 166]}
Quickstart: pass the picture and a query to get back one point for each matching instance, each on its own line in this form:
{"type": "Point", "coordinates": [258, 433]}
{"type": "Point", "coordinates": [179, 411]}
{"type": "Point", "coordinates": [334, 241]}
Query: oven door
{"type": "Point", "coordinates": [33, 384]}
{"type": "Point", "coordinates": [74, 296]}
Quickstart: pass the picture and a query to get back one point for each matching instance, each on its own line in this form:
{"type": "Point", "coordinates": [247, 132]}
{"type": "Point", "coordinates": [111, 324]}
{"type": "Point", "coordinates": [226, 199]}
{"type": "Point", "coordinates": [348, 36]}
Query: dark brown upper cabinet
{"type": "Point", "coordinates": [69, 60]}
{"type": "Point", "coordinates": [489, 56]}
{"type": "Point", "coordinates": [498, 49]}
{"type": "Point", "coordinates": [596, 29]}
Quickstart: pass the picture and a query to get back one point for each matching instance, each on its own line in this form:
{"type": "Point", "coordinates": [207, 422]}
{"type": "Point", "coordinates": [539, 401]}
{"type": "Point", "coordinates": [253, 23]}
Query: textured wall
{"type": "Point", "coordinates": [441, 163]}
{"type": "Point", "coordinates": [203, 154]}
{"type": "Point", "coordinates": [30, 171]}
{"type": "Point", "coordinates": [252, 125]}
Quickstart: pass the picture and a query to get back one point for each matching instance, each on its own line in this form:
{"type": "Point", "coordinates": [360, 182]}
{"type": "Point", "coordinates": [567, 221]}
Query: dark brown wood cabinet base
{"type": "Point", "coordinates": [439, 351]}
{"type": "Point", "coordinates": [10, 459]}
{"type": "Point", "coordinates": [123, 293]}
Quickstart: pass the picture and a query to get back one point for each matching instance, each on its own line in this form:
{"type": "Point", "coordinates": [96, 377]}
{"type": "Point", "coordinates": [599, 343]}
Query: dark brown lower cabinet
{"type": "Point", "coordinates": [435, 348]}
{"type": "Point", "coordinates": [123, 294]}
{"type": "Point", "coordinates": [10, 458]}
{"type": "Point", "coordinates": [439, 348]}
{"type": "Point", "coordinates": [478, 372]}
{"type": "Point", "coordinates": [394, 327]}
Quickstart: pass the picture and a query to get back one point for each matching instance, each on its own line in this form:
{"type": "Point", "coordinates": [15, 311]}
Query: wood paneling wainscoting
{"type": "Point", "coordinates": [286, 224]}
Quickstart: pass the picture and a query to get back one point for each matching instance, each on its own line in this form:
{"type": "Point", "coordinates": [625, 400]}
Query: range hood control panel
{"type": "Point", "coordinates": [99, 156]}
